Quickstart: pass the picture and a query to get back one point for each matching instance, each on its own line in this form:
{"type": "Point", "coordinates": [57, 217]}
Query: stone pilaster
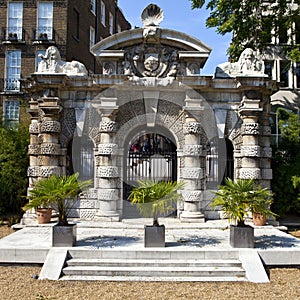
{"type": "Point", "coordinates": [108, 171]}
{"type": "Point", "coordinates": [50, 149]}
{"type": "Point", "coordinates": [266, 150]}
{"type": "Point", "coordinates": [193, 172]}
{"type": "Point", "coordinates": [250, 149]}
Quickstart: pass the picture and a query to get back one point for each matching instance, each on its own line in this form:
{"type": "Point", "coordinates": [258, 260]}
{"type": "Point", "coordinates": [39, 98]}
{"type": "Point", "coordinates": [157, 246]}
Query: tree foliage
{"type": "Point", "coordinates": [252, 22]}
{"type": "Point", "coordinates": [13, 168]}
{"type": "Point", "coordinates": [286, 164]}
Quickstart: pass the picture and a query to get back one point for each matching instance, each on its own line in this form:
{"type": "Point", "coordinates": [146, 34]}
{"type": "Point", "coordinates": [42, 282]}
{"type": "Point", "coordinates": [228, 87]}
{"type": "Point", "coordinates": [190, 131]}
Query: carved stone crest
{"type": "Point", "coordinates": [149, 61]}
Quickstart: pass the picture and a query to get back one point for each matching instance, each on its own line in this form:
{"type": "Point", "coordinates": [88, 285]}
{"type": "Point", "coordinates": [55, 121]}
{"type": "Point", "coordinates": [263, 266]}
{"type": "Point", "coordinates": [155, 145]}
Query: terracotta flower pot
{"type": "Point", "coordinates": [259, 219]}
{"type": "Point", "coordinates": [44, 215]}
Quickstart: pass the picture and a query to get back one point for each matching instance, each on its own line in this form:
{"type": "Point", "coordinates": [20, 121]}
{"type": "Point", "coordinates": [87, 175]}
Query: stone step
{"type": "Point", "coordinates": [153, 263]}
{"type": "Point", "coordinates": [153, 254]}
{"type": "Point", "coordinates": [153, 278]}
{"type": "Point", "coordinates": [148, 271]}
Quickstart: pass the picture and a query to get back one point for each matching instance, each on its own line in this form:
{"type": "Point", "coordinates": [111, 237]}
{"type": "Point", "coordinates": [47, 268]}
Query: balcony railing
{"type": "Point", "coordinates": [11, 84]}
{"type": "Point", "coordinates": [43, 34]}
{"type": "Point", "coordinates": [13, 34]}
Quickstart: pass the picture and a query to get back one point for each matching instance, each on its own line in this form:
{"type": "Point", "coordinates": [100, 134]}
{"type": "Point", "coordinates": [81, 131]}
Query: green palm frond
{"type": "Point", "coordinates": [238, 197]}
{"type": "Point", "coordinates": [57, 192]}
{"type": "Point", "coordinates": [153, 198]}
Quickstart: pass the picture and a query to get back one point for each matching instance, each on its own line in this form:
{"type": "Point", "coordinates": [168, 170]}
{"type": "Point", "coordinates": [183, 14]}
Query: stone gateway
{"type": "Point", "coordinates": [150, 114]}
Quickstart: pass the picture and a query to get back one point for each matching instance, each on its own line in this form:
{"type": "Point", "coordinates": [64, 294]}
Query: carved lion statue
{"type": "Point", "coordinates": [51, 63]}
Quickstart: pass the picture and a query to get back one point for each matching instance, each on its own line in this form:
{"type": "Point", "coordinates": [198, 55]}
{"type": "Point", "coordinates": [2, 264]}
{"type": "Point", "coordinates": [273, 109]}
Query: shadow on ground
{"type": "Point", "coordinates": [274, 241]}
{"type": "Point", "coordinates": [107, 241]}
{"type": "Point", "coordinates": [196, 241]}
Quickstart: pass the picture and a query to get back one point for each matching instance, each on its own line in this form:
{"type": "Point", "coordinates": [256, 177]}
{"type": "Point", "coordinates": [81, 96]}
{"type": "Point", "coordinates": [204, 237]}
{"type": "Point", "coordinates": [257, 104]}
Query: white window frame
{"type": "Point", "coordinates": [92, 37]}
{"type": "Point", "coordinates": [13, 70]}
{"type": "Point", "coordinates": [93, 6]}
{"type": "Point", "coordinates": [45, 20]}
{"type": "Point", "coordinates": [102, 13]}
{"type": "Point", "coordinates": [11, 112]}
{"type": "Point", "coordinates": [15, 20]}
{"type": "Point", "coordinates": [111, 23]}
{"type": "Point", "coordinates": [119, 28]}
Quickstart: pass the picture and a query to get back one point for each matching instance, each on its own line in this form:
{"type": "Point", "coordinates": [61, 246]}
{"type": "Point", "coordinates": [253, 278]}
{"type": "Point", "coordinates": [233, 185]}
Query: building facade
{"type": "Point", "coordinates": [28, 28]}
{"type": "Point", "coordinates": [149, 113]}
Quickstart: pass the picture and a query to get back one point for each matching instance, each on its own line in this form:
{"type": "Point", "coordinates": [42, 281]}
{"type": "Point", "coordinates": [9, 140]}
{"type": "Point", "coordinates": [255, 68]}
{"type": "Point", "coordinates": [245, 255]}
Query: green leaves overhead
{"type": "Point", "coordinates": [252, 23]}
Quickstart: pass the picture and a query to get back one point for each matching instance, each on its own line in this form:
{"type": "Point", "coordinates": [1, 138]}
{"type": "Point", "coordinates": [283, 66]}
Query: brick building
{"type": "Point", "coordinates": [28, 28]}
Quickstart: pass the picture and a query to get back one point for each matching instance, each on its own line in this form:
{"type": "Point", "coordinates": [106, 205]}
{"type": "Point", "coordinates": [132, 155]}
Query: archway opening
{"type": "Point", "coordinates": [148, 156]}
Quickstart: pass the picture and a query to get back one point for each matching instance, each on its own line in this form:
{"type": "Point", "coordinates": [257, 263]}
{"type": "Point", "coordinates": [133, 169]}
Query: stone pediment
{"type": "Point", "coordinates": [151, 51]}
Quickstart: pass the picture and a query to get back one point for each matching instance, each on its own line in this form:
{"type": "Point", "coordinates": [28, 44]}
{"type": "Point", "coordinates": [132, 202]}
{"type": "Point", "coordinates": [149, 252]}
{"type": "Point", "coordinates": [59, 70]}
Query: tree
{"type": "Point", "coordinates": [286, 164]}
{"type": "Point", "coordinates": [252, 22]}
{"type": "Point", "coordinates": [13, 168]}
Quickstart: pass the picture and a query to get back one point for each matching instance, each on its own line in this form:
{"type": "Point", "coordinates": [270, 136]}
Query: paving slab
{"type": "Point", "coordinates": [31, 244]}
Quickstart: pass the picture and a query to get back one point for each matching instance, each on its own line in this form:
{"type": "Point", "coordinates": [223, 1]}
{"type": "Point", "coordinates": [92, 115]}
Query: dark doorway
{"type": "Point", "coordinates": [150, 156]}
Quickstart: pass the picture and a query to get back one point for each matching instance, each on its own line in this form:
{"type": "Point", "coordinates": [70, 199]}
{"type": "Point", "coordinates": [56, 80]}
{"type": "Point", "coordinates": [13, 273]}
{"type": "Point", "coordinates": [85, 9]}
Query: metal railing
{"type": "Point", "coordinates": [12, 84]}
{"type": "Point", "coordinates": [13, 34]}
{"type": "Point", "coordinates": [43, 34]}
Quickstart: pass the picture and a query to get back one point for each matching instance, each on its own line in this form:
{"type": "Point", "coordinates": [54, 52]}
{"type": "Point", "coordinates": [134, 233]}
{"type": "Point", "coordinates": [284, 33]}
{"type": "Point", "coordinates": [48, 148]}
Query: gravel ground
{"type": "Point", "coordinates": [16, 283]}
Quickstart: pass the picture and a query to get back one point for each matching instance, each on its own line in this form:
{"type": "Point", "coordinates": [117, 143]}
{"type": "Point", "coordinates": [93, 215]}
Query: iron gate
{"type": "Point", "coordinates": [152, 157]}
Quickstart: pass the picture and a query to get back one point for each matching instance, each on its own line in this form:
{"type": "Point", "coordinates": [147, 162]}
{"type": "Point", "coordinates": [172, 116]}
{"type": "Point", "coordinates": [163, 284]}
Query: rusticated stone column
{"type": "Point", "coordinates": [34, 146]}
{"type": "Point", "coordinates": [250, 149]}
{"type": "Point", "coordinates": [50, 149]}
{"type": "Point", "coordinates": [266, 150]}
{"type": "Point", "coordinates": [193, 172]}
{"type": "Point", "coordinates": [107, 163]}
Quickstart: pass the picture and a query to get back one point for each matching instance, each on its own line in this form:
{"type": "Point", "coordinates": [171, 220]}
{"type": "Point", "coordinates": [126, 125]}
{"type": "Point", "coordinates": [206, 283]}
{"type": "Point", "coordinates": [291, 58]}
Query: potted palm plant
{"type": "Point", "coordinates": [59, 193]}
{"type": "Point", "coordinates": [260, 207]}
{"type": "Point", "coordinates": [236, 199]}
{"type": "Point", "coordinates": [153, 199]}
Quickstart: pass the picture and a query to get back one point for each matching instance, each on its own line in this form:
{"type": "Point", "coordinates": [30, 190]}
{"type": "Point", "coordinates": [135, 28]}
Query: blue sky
{"type": "Point", "coordinates": [179, 16]}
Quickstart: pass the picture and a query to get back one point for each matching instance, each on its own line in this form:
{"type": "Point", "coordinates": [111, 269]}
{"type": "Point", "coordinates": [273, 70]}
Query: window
{"type": "Point", "coordinates": [93, 6]}
{"type": "Point", "coordinates": [76, 25]}
{"type": "Point", "coordinates": [284, 73]}
{"type": "Point", "coordinates": [269, 68]}
{"type": "Point", "coordinates": [13, 70]}
{"type": "Point", "coordinates": [283, 34]}
{"type": "Point", "coordinates": [111, 23]}
{"type": "Point", "coordinates": [102, 13]}
{"type": "Point", "coordinates": [45, 20]}
{"type": "Point", "coordinates": [297, 72]}
{"type": "Point", "coordinates": [92, 37]}
{"type": "Point", "coordinates": [297, 31]}
{"type": "Point", "coordinates": [15, 20]}
{"type": "Point", "coordinates": [11, 112]}
{"type": "Point", "coordinates": [37, 58]}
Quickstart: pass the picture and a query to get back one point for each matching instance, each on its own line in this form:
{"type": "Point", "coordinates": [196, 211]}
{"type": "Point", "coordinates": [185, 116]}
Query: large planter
{"type": "Point", "coordinates": [241, 237]}
{"type": "Point", "coordinates": [154, 236]}
{"type": "Point", "coordinates": [43, 215]}
{"type": "Point", "coordinates": [259, 219]}
{"type": "Point", "coordinates": [64, 236]}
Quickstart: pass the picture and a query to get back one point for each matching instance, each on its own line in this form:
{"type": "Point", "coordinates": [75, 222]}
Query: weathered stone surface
{"type": "Point", "coordinates": [50, 126]}
{"type": "Point", "coordinates": [250, 151]}
{"type": "Point", "coordinates": [107, 172]}
{"type": "Point", "coordinates": [192, 173]}
{"type": "Point", "coordinates": [249, 173]}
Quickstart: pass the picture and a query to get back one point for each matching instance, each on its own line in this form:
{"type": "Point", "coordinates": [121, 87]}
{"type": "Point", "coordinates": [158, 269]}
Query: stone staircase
{"type": "Point", "coordinates": [154, 264]}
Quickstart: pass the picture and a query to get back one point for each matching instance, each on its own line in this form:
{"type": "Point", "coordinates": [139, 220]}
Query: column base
{"type": "Point", "coordinates": [29, 219]}
{"type": "Point", "coordinates": [192, 217]}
